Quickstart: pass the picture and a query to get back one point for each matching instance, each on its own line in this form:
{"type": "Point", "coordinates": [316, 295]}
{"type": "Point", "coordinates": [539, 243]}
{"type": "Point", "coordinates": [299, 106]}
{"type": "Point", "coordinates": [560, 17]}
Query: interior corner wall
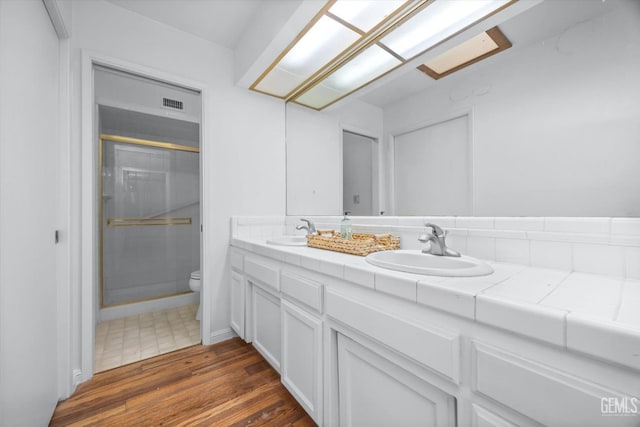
{"type": "Point", "coordinates": [555, 124]}
{"type": "Point", "coordinates": [314, 152]}
{"type": "Point", "coordinates": [243, 141]}
{"type": "Point", "coordinates": [29, 100]}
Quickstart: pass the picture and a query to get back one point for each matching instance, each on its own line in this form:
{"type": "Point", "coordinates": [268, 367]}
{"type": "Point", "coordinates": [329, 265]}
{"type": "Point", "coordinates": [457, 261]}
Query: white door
{"type": "Point", "coordinates": [357, 175]}
{"type": "Point", "coordinates": [432, 170]}
{"type": "Point", "coordinates": [28, 174]}
{"type": "Point", "coordinates": [375, 392]}
{"type": "Point", "coordinates": [302, 358]}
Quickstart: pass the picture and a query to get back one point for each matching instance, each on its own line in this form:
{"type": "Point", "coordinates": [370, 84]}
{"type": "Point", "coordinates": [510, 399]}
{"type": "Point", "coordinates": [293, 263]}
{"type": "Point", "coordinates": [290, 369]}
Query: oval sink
{"type": "Point", "coordinates": [288, 241]}
{"type": "Point", "coordinates": [414, 261]}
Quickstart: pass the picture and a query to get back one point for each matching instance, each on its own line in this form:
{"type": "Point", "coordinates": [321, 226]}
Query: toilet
{"type": "Point", "coordinates": [194, 285]}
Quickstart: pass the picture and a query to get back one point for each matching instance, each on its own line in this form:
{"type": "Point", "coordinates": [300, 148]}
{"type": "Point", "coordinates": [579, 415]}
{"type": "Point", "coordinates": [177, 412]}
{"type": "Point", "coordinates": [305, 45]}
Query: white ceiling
{"type": "Point", "coordinates": [219, 21]}
{"type": "Point", "coordinates": [539, 23]}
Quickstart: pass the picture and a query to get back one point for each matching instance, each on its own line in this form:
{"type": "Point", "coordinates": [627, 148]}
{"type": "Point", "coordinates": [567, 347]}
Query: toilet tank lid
{"type": "Point", "coordinates": [195, 274]}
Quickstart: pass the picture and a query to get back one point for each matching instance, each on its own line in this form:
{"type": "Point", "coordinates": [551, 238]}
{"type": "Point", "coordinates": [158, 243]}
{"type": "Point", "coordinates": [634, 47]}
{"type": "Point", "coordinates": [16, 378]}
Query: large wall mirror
{"type": "Point", "coordinates": [549, 127]}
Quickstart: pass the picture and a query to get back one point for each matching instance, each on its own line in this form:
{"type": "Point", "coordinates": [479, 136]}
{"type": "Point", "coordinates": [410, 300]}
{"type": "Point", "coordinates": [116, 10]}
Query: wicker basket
{"type": "Point", "coordinates": [359, 244]}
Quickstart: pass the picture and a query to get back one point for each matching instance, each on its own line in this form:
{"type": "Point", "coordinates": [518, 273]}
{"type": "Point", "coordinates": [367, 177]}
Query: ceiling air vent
{"type": "Point", "coordinates": [172, 103]}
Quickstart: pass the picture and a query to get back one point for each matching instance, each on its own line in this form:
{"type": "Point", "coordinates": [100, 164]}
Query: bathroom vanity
{"type": "Point", "coordinates": [357, 344]}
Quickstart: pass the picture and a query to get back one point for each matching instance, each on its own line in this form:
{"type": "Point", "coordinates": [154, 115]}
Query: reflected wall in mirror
{"type": "Point", "coordinates": [550, 127]}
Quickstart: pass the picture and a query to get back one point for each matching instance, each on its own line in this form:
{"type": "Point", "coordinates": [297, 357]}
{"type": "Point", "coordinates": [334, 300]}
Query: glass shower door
{"type": "Point", "coordinates": [150, 219]}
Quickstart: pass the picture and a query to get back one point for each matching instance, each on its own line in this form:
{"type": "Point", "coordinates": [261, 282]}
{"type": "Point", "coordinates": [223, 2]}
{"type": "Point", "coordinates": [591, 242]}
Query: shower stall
{"type": "Point", "coordinates": [150, 206]}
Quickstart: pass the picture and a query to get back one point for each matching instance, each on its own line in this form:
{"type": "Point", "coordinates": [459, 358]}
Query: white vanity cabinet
{"type": "Point", "coordinates": [482, 417]}
{"type": "Point", "coordinates": [263, 302]}
{"type": "Point", "coordinates": [237, 294]}
{"type": "Point", "coordinates": [301, 366]}
{"type": "Point", "coordinates": [237, 303]}
{"type": "Point", "coordinates": [373, 391]}
{"type": "Point", "coordinates": [353, 355]}
{"type": "Point", "coordinates": [265, 313]}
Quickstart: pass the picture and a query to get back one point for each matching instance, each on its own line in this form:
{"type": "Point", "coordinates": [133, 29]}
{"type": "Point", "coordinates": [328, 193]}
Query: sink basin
{"type": "Point", "coordinates": [288, 241]}
{"type": "Point", "coordinates": [414, 261]}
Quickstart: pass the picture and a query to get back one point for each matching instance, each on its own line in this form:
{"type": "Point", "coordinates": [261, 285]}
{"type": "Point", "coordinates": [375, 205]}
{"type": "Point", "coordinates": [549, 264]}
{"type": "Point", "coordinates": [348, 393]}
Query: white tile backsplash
{"type": "Point", "coordinates": [513, 251]}
{"type": "Point", "coordinates": [579, 225]}
{"type": "Point", "coordinates": [475, 222]}
{"type": "Point", "coordinates": [519, 223]}
{"type": "Point", "coordinates": [481, 247]}
{"type": "Point", "coordinates": [625, 226]}
{"type": "Point", "coordinates": [442, 221]}
{"type": "Point", "coordinates": [607, 246]}
{"type": "Point", "coordinates": [551, 255]}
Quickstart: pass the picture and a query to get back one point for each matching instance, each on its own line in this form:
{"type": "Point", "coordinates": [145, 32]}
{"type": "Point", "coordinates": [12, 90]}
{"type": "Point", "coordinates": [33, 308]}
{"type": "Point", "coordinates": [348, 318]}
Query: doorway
{"type": "Point", "coordinates": [149, 218]}
{"type": "Point", "coordinates": [358, 166]}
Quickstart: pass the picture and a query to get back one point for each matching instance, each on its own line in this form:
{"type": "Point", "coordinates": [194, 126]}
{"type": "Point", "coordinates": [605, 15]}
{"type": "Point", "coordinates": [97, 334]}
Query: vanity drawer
{"type": "Point", "coordinates": [302, 289]}
{"type": "Point", "coordinates": [262, 271]}
{"type": "Point", "coordinates": [540, 392]}
{"type": "Point", "coordinates": [433, 347]}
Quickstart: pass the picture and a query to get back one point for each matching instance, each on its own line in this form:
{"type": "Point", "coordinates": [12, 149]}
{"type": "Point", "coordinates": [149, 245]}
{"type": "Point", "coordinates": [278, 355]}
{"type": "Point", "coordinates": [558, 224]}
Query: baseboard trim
{"type": "Point", "coordinates": [221, 335]}
{"type": "Point", "coordinates": [77, 379]}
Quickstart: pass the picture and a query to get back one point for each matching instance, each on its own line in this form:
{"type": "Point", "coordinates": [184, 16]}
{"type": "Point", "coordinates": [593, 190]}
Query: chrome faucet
{"type": "Point", "coordinates": [310, 227]}
{"type": "Point", "coordinates": [436, 239]}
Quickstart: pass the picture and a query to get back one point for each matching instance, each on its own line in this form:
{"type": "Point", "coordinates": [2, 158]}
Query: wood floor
{"type": "Point", "coordinates": [226, 384]}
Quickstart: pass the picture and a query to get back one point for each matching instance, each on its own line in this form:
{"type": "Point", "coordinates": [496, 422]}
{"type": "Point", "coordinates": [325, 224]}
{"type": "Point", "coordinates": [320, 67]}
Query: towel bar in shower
{"type": "Point", "coordinates": [136, 222]}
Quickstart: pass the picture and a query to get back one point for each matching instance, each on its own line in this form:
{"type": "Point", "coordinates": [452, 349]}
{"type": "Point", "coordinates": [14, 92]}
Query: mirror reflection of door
{"type": "Point", "coordinates": [357, 175]}
{"type": "Point", "coordinates": [432, 169]}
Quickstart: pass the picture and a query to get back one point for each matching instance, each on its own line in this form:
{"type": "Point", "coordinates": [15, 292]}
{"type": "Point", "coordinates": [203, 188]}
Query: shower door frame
{"type": "Point", "coordinates": [138, 142]}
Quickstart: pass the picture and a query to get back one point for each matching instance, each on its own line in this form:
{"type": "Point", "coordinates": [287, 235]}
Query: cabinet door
{"type": "Point", "coordinates": [302, 358]}
{"type": "Point", "coordinates": [266, 325]}
{"type": "Point", "coordinates": [376, 392]}
{"type": "Point", "coordinates": [481, 417]}
{"type": "Point", "coordinates": [237, 303]}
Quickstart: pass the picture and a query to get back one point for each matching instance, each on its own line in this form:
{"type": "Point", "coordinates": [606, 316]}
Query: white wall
{"type": "Point", "coordinates": [243, 136]}
{"type": "Point", "coordinates": [314, 150]}
{"type": "Point", "coordinates": [28, 165]}
{"type": "Point", "coordinates": [556, 124]}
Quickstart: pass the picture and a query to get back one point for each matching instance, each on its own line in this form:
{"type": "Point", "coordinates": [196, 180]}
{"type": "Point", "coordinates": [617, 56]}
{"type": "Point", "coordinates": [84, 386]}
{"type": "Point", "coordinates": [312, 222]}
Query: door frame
{"type": "Point", "coordinates": [90, 197]}
{"type": "Point", "coordinates": [375, 165]}
{"type": "Point", "coordinates": [391, 182]}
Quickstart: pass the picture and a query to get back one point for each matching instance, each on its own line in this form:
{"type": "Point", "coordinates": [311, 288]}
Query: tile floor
{"type": "Point", "coordinates": [133, 338]}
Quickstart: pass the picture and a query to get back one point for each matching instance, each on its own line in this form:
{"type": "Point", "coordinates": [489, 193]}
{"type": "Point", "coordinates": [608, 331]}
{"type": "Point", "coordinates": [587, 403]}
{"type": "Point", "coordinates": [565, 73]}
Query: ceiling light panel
{"type": "Point", "coordinates": [365, 14]}
{"type": "Point", "coordinates": [363, 68]}
{"type": "Point", "coordinates": [464, 52]}
{"type": "Point", "coordinates": [437, 22]}
{"type": "Point", "coordinates": [321, 44]}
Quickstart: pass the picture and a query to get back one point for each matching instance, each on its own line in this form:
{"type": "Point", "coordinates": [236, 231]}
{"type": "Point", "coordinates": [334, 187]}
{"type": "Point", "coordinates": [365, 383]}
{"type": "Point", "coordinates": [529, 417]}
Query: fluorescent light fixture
{"type": "Point", "coordinates": [368, 65]}
{"type": "Point", "coordinates": [437, 22]}
{"type": "Point", "coordinates": [482, 46]}
{"type": "Point", "coordinates": [364, 14]}
{"type": "Point", "coordinates": [350, 43]}
{"type": "Point", "coordinates": [323, 42]}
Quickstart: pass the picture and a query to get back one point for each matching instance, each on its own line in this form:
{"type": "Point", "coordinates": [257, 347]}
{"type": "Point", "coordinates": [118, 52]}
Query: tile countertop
{"type": "Point", "coordinates": [593, 314]}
